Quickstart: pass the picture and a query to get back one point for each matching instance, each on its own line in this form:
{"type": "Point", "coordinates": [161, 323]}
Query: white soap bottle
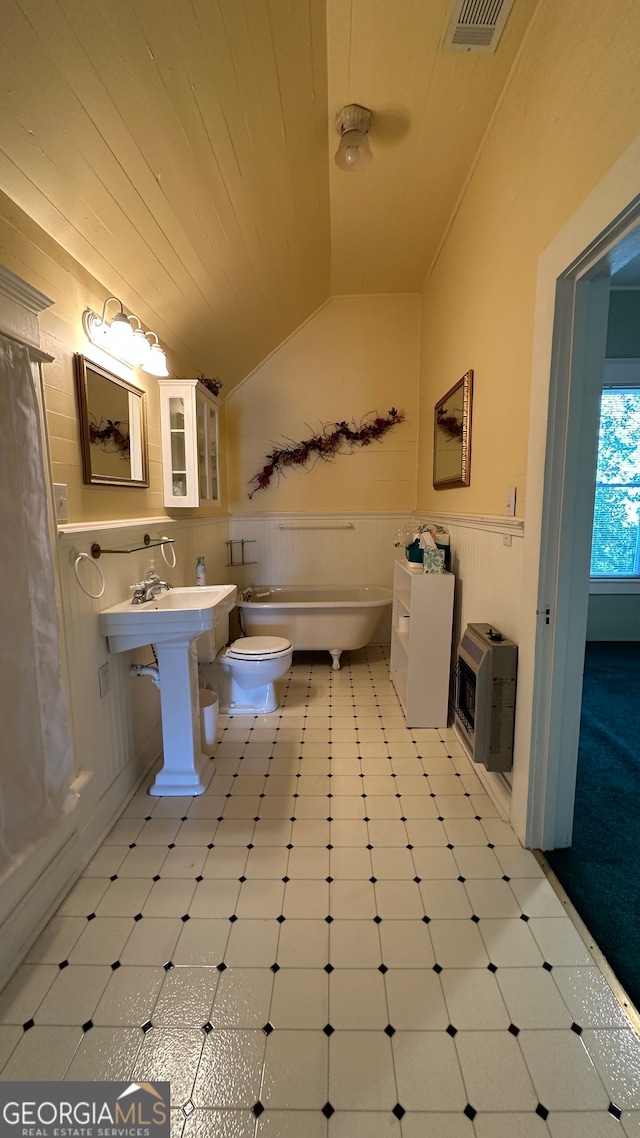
{"type": "Point", "coordinates": [201, 571]}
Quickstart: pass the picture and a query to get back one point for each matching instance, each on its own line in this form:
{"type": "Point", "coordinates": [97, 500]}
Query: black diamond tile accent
{"type": "Point", "coordinates": [329, 920]}
{"type": "Point", "coordinates": [329, 819]}
{"type": "Point", "coordinates": [399, 1111]}
{"type": "Point", "coordinates": [382, 968]}
{"type": "Point", "coordinates": [184, 818]}
{"type": "Point", "coordinates": [210, 844]}
{"type": "Point", "coordinates": [490, 846]}
{"type": "Point", "coordinates": [275, 967]}
{"type": "Point", "coordinates": [233, 918]}
{"type": "Point", "coordinates": [188, 1108]}
{"type": "Point", "coordinates": [116, 965]}
{"type": "Point", "coordinates": [389, 1030]}
{"type": "Point", "coordinates": [257, 1109]}
{"type": "Point", "coordinates": [373, 880]}
{"type": "Point", "coordinates": [114, 877]}
{"type": "Point", "coordinates": [427, 920]}
{"type": "Point", "coordinates": [167, 967]}
{"type": "Point", "coordinates": [328, 1029]}
{"type": "Point", "coordinates": [449, 846]}
{"type": "Point", "coordinates": [369, 847]}
{"type": "Point", "coordinates": [469, 1112]}
{"type": "Point", "coordinates": [548, 967]}
{"type": "Point", "coordinates": [207, 1027]}
{"type": "Point", "coordinates": [268, 1028]}
{"type": "Point", "coordinates": [185, 917]}
{"type": "Point", "coordinates": [505, 877]}
{"type": "Point", "coordinates": [403, 819]}
{"type": "Point", "coordinates": [171, 846]}
{"type": "Point", "coordinates": [329, 880]}
{"type": "Point", "coordinates": [289, 846]}
{"type": "Point", "coordinates": [437, 968]}
{"type": "Point", "coordinates": [513, 1029]}
{"type": "Point", "coordinates": [478, 817]}
{"type": "Point", "coordinates": [576, 1027]}
{"type": "Point", "coordinates": [377, 919]}
{"type": "Point", "coordinates": [28, 1025]}
{"type": "Point", "coordinates": [327, 1110]}
{"type": "Point", "coordinates": [199, 878]}
{"type": "Point", "coordinates": [328, 967]}
{"type": "Point", "coordinates": [132, 845]}
{"type": "Point", "coordinates": [409, 847]}
{"type": "Point", "coordinates": [440, 818]}
{"type": "Point", "coordinates": [63, 964]}
{"type": "Point", "coordinates": [461, 878]}
{"type": "Point", "coordinates": [257, 819]}
{"type": "Point", "coordinates": [285, 879]}
{"type": "Point", "coordinates": [615, 1111]}
{"type": "Point", "coordinates": [417, 880]}
{"type": "Point", "coordinates": [329, 847]}
{"type": "Point", "coordinates": [91, 916]}
{"type": "Point", "coordinates": [280, 919]}
{"type": "Point", "coordinates": [524, 917]}
{"type": "Point", "coordinates": [451, 1030]}
{"type": "Point", "coordinates": [492, 967]}
{"type": "Point", "coordinates": [542, 1111]}
{"type": "Point", "coordinates": [89, 1024]}
{"type": "Point", "coordinates": [475, 919]}
{"type": "Point", "coordinates": [138, 917]}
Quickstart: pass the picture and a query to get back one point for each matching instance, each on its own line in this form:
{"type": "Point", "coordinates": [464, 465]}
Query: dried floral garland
{"type": "Point", "coordinates": [331, 440]}
{"type": "Point", "coordinates": [213, 385]}
{"type": "Point", "coordinates": [110, 435]}
{"type": "Point", "coordinates": [450, 425]}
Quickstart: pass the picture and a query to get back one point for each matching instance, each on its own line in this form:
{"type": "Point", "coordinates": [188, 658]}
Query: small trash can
{"type": "Point", "coordinates": [208, 720]}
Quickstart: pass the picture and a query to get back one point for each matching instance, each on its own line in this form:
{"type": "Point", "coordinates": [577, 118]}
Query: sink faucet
{"type": "Point", "coordinates": [147, 590]}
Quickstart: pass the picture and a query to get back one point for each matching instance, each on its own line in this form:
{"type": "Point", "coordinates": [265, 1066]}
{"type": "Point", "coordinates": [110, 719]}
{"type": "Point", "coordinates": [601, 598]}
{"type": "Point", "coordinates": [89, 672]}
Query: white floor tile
{"type": "Point", "coordinates": [251, 944]}
{"type": "Point", "coordinates": [406, 944]}
{"type": "Point", "coordinates": [583, 1124]}
{"type": "Point", "coordinates": [306, 899]}
{"type": "Point", "coordinates": [291, 1124]}
{"type": "Point", "coordinates": [532, 998]}
{"type": "Point", "coordinates": [74, 995]}
{"type": "Point", "coordinates": [481, 1054]}
{"type": "Point", "coordinates": [473, 999]}
{"type": "Point", "coordinates": [303, 944]}
{"type": "Point", "coordinates": [510, 943]}
{"type": "Point", "coordinates": [562, 1072]}
{"type": "Point", "coordinates": [352, 899]}
{"type": "Point", "coordinates": [186, 997]}
{"type": "Point", "coordinates": [201, 941]}
{"type": "Point", "coordinates": [415, 1125]}
{"type": "Point", "coordinates": [300, 998]}
{"type": "Point", "coordinates": [173, 1054]}
{"type": "Point", "coordinates": [129, 997]}
{"type": "Point", "coordinates": [415, 1000]}
{"type": "Point", "coordinates": [354, 944]}
{"type": "Point", "coordinates": [445, 899]}
{"type": "Point", "coordinates": [357, 999]}
{"type": "Point", "coordinates": [361, 1072]}
{"type": "Point", "coordinates": [589, 998]}
{"type": "Point", "coordinates": [616, 1055]}
{"type": "Point", "coordinates": [458, 944]}
{"type": "Point", "coordinates": [106, 1053]}
{"type": "Point", "coordinates": [242, 998]}
{"type": "Point", "coordinates": [22, 996]}
{"type": "Point", "coordinates": [57, 940]}
{"type": "Point", "coordinates": [427, 1071]}
{"type": "Point", "coordinates": [510, 1125]}
{"type": "Point", "coordinates": [295, 1070]}
{"type": "Point", "coordinates": [559, 941]}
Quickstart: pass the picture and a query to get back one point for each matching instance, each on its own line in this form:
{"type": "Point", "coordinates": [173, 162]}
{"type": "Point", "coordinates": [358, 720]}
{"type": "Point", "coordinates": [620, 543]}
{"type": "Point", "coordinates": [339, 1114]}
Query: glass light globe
{"type": "Point", "coordinates": [353, 152]}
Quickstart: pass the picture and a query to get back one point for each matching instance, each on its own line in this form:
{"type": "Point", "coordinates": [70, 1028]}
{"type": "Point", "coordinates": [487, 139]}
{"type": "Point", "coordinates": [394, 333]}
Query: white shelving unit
{"type": "Point", "coordinates": [422, 628]}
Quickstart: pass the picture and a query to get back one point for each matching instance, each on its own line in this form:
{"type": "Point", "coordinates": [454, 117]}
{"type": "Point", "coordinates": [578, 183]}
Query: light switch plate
{"type": "Point", "coordinates": [61, 501]}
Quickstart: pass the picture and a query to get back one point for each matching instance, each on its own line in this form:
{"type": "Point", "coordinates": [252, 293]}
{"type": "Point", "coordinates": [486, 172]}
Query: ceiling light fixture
{"type": "Point", "coordinates": [352, 125]}
{"type": "Point", "coordinates": [121, 339]}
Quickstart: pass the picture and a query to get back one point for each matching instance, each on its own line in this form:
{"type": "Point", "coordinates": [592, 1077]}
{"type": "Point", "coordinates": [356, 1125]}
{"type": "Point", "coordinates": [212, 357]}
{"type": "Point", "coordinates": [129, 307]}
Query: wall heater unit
{"type": "Point", "coordinates": [485, 695]}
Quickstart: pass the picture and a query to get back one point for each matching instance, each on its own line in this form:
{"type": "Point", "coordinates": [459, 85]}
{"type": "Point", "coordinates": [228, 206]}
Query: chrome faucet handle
{"type": "Point", "coordinates": [138, 593]}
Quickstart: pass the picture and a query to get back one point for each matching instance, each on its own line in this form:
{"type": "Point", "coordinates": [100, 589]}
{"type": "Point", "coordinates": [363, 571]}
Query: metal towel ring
{"type": "Point", "coordinates": [171, 564]}
{"type": "Point", "coordinates": [86, 557]}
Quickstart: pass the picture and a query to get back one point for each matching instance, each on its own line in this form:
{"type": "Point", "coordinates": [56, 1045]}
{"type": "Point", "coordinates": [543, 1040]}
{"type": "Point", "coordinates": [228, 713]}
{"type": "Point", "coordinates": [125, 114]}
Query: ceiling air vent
{"type": "Point", "coordinates": [476, 25]}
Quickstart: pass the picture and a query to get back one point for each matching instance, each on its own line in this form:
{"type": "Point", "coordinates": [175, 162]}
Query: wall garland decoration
{"type": "Point", "coordinates": [333, 439]}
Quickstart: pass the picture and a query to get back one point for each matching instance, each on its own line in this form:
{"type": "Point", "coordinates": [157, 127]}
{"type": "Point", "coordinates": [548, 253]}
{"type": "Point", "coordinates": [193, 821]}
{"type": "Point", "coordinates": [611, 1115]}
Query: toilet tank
{"type": "Point", "coordinates": [211, 643]}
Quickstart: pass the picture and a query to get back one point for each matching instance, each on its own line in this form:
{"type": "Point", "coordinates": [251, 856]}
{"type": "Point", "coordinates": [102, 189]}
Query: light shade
{"type": "Point", "coordinates": [352, 124]}
{"type": "Point", "coordinates": [156, 361]}
{"type": "Point", "coordinates": [120, 332]}
{"type": "Point", "coordinates": [124, 341]}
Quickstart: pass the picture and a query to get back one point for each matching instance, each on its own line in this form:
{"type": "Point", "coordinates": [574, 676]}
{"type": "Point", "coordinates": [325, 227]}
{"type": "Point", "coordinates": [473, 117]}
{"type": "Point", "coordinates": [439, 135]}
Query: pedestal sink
{"type": "Point", "coordinates": [172, 622]}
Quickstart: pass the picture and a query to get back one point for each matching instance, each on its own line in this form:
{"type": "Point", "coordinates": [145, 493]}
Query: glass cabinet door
{"type": "Point", "coordinates": [178, 447]}
{"type": "Point", "coordinates": [207, 427]}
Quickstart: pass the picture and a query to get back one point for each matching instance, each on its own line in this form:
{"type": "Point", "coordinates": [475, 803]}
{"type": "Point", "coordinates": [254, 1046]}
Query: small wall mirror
{"type": "Point", "coordinates": [452, 436]}
{"type": "Point", "coordinates": [112, 427]}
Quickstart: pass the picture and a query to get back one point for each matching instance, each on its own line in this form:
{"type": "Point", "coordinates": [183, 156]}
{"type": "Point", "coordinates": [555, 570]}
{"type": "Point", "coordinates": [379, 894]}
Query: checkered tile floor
{"type": "Point", "coordinates": [340, 939]}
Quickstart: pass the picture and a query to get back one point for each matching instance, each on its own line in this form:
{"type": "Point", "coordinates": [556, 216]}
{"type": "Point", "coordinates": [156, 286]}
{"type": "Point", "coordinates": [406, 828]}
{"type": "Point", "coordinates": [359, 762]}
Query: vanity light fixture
{"type": "Point", "coordinates": [352, 124]}
{"type": "Point", "coordinates": [124, 341]}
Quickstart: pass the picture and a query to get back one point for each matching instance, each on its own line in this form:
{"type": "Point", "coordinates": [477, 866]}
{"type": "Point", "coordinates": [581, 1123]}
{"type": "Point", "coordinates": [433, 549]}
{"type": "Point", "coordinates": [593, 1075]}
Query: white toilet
{"type": "Point", "coordinates": [243, 676]}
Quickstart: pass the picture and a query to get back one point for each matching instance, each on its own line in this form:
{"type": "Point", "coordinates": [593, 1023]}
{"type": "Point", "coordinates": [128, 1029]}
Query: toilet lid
{"type": "Point", "coordinates": [258, 647]}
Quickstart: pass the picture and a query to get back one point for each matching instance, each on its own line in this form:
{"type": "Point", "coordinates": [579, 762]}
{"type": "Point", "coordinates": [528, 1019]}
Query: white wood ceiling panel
{"type": "Point", "coordinates": [182, 151]}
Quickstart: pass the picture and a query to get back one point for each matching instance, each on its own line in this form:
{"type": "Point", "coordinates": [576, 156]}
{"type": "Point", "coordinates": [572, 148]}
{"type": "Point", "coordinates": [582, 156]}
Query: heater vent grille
{"type": "Point", "coordinates": [476, 25]}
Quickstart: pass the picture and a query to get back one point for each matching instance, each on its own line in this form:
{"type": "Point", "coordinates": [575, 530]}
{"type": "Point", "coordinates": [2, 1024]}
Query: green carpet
{"type": "Point", "coordinates": [601, 870]}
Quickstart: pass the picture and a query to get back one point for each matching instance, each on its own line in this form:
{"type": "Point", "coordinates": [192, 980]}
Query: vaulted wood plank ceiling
{"type": "Point", "coordinates": [182, 152]}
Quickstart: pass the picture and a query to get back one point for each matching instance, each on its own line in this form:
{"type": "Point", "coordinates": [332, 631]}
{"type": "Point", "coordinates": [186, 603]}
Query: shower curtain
{"type": "Point", "coordinates": [35, 749]}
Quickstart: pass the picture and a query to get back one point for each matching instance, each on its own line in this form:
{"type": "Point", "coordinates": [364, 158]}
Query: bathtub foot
{"type": "Point", "coordinates": [335, 656]}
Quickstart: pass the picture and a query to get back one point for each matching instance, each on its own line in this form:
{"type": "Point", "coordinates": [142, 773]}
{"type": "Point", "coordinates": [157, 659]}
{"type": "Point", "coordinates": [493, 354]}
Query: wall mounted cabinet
{"type": "Point", "coordinates": [421, 633]}
{"type": "Point", "coordinates": [189, 426]}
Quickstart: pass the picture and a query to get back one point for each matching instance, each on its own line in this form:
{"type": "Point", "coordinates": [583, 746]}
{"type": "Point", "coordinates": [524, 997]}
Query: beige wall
{"type": "Point", "coordinates": [39, 260]}
{"type": "Point", "coordinates": [355, 355]}
{"type": "Point", "coordinates": [571, 108]}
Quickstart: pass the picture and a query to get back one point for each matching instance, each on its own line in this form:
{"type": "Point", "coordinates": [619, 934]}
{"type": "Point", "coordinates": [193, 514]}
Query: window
{"type": "Point", "coordinates": [615, 547]}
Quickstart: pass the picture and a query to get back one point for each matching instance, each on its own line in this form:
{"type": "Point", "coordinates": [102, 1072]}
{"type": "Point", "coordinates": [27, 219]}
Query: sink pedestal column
{"type": "Point", "coordinates": [183, 763]}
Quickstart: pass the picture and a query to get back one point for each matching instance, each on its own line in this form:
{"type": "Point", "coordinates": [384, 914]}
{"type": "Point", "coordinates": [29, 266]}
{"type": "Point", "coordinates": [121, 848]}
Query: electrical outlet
{"type": "Point", "coordinates": [104, 679]}
{"type": "Point", "coordinates": [510, 502]}
{"type": "Point", "coordinates": [61, 502]}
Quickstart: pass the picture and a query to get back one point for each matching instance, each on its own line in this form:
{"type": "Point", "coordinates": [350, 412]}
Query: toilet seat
{"type": "Point", "coordinates": [258, 648]}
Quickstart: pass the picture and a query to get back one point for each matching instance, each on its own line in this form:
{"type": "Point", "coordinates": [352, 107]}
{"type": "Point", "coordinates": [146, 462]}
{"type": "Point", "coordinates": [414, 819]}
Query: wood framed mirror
{"type": "Point", "coordinates": [113, 430]}
{"type": "Point", "coordinates": [452, 436]}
